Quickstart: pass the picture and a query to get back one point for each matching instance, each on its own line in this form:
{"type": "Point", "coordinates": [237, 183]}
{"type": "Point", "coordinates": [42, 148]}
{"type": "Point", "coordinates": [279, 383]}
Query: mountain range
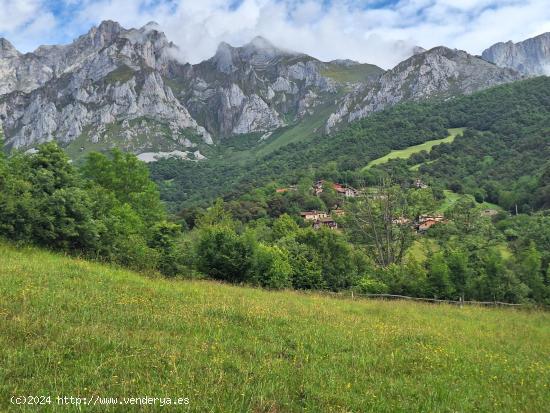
{"type": "Point", "coordinates": [128, 88]}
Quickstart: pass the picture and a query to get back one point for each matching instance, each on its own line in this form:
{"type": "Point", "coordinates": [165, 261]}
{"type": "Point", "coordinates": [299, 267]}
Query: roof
{"type": "Point", "coordinates": [428, 224]}
{"type": "Point", "coordinates": [312, 212]}
{"type": "Point", "coordinates": [342, 188]}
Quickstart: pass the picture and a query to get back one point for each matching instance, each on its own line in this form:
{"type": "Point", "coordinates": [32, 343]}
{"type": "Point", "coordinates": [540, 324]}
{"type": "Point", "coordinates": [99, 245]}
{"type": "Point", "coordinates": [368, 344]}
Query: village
{"type": "Point", "coordinates": [321, 219]}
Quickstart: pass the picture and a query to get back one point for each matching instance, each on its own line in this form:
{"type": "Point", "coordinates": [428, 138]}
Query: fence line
{"type": "Point", "coordinates": [435, 300]}
{"type": "Point", "coordinates": [354, 295]}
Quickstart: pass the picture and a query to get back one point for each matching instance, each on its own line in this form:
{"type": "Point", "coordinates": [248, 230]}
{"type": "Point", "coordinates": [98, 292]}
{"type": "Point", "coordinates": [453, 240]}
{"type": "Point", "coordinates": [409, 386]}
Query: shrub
{"type": "Point", "coordinates": [340, 263]}
{"type": "Point", "coordinates": [224, 255]}
{"type": "Point", "coordinates": [439, 277]}
{"type": "Point", "coordinates": [270, 267]}
{"type": "Point", "coordinates": [368, 285]}
{"type": "Point", "coordinates": [163, 241]}
{"type": "Point", "coordinates": [306, 268]}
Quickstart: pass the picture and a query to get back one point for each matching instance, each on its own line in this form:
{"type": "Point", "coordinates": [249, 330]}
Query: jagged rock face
{"type": "Point", "coordinates": [19, 71]}
{"type": "Point", "coordinates": [33, 70]}
{"type": "Point", "coordinates": [125, 88]}
{"type": "Point", "coordinates": [106, 77]}
{"type": "Point", "coordinates": [530, 57]}
{"type": "Point", "coordinates": [254, 88]}
{"type": "Point", "coordinates": [111, 76]}
{"type": "Point", "coordinates": [65, 108]}
{"type": "Point", "coordinates": [439, 72]}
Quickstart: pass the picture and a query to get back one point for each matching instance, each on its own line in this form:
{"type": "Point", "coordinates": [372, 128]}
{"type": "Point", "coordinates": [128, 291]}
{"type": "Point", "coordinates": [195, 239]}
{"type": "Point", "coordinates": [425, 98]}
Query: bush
{"type": "Point", "coordinates": [341, 265]}
{"type": "Point", "coordinates": [270, 267]}
{"type": "Point", "coordinates": [409, 279]}
{"type": "Point", "coordinates": [368, 285]}
{"type": "Point", "coordinates": [306, 268]}
{"type": "Point", "coordinates": [163, 241]}
{"type": "Point", "coordinates": [224, 255]}
{"type": "Point", "coordinates": [133, 252]}
{"type": "Point", "coordinates": [284, 226]}
{"type": "Point", "coordinates": [439, 277]}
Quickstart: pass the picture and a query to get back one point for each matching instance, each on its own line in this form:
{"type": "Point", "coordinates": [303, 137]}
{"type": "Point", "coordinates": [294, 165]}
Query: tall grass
{"type": "Point", "coordinates": [73, 328]}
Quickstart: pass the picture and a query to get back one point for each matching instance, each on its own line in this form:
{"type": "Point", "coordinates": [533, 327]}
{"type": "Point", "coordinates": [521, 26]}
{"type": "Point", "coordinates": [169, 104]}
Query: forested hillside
{"type": "Point", "coordinates": [511, 122]}
{"type": "Point", "coordinates": [503, 157]}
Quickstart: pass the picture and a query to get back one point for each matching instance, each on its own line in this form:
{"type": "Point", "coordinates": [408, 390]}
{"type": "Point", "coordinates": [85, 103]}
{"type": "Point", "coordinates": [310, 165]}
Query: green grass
{"type": "Point", "coordinates": [352, 74]}
{"type": "Point", "coordinates": [70, 327]}
{"type": "Point", "coordinates": [452, 197]}
{"type": "Point", "coordinates": [120, 75]}
{"type": "Point", "coordinates": [411, 150]}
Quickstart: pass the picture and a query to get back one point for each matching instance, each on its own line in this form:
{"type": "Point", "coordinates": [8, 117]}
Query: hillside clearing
{"type": "Point", "coordinates": [411, 150]}
{"type": "Point", "coordinates": [74, 328]}
{"type": "Point", "coordinates": [352, 73]}
{"type": "Point", "coordinates": [451, 198]}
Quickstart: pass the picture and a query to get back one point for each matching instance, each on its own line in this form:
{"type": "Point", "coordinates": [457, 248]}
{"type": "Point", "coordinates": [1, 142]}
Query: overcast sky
{"type": "Point", "coordinates": [373, 31]}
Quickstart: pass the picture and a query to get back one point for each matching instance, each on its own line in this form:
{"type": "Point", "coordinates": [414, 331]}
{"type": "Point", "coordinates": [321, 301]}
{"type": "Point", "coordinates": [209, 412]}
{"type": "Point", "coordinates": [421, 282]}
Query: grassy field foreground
{"type": "Point", "coordinates": [72, 328]}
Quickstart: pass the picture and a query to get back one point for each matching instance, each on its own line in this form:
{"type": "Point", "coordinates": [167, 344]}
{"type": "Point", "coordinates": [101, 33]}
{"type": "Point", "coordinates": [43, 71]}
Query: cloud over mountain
{"type": "Point", "coordinates": [380, 32]}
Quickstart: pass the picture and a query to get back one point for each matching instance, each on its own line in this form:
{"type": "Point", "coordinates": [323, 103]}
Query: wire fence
{"type": "Point", "coordinates": [435, 300]}
{"type": "Point", "coordinates": [353, 295]}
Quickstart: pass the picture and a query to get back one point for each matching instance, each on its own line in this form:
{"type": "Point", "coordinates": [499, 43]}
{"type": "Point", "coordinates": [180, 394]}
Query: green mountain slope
{"type": "Point", "coordinates": [503, 157]}
{"type": "Point", "coordinates": [511, 113]}
{"type": "Point", "coordinates": [73, 328]}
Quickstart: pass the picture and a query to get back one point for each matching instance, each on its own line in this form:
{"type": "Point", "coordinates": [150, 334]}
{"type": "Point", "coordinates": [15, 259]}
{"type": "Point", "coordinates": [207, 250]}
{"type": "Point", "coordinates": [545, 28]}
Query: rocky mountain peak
{"type": "Point", "coordinates": [152, 25]}
{"type": "Point", "coordinates": [259, 52]}
{"type": "Point", "coordinates": [439, 72]}
{"type": "Point", "coordinates": [110, 77]}
{"type": "Point", "coordinates": [109, 27]}
{"type": "Point", "coordinates": [7, 50]}
{"type": "Point", "coordinates": [151, 32]}
{"type": "Point", "coordinates": [224, 58]}
{"type": "Point", "coordinates": [22, 72]}
{"type": "Point", "coordinates": [102, 35]}
{"type": "Point", "coordinates": [530, 57]}
{"type": "Point", "coordinates": [124, 87]}
{"type": "Point", "coordinates": [439, 51]}
{"type": "Point", "coordinates": [262, 48]}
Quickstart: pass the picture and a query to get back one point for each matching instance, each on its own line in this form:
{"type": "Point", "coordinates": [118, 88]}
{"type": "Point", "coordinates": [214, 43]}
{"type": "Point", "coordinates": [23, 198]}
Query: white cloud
{"type": "Point", "coordinates": [24, 22]}
{"type": "Point", "coordinates": [340, 29]}
{"type": "Point", "coordinates": [16, 13]}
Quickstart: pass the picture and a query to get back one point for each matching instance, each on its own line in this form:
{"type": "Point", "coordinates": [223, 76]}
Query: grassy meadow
{"type": "Point", "coordinates": [411, 150]}
{"type": "Point", "coordinates": [451, 198]}
{"type": "Point", "coordinates": [73, 328]}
